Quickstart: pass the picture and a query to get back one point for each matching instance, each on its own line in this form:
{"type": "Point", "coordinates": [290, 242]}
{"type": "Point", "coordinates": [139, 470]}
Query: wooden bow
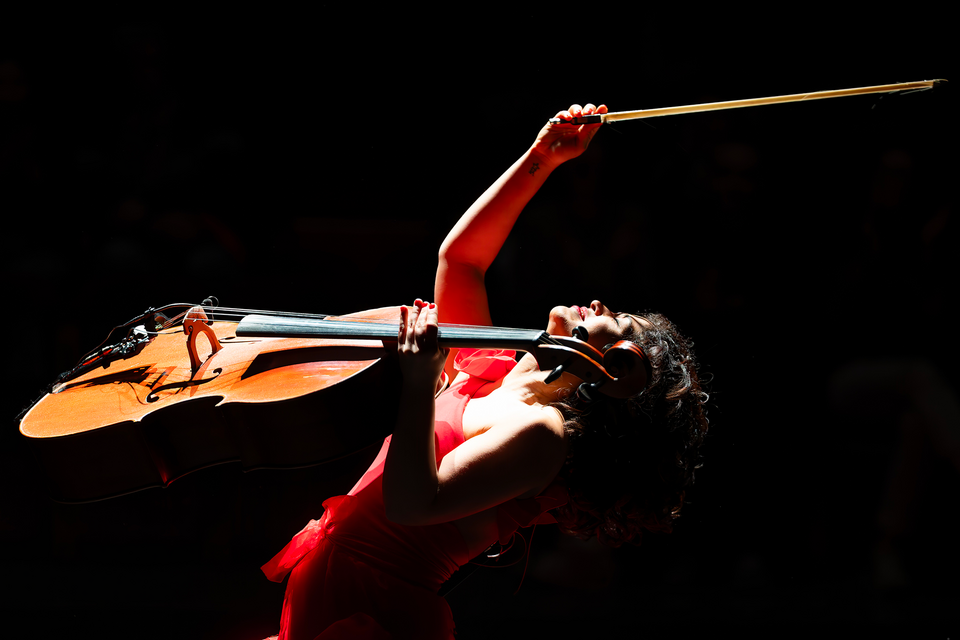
{"type": "Point", "coordinates": [603, 118]}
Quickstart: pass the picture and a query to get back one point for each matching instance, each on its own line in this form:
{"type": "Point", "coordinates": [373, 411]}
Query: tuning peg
{"type": "Point", "coordinates": [553, 375]}
{"type": "Point", "coordinates": [581, 334]}
{"type": "Point", "coordinates": [585, 391]}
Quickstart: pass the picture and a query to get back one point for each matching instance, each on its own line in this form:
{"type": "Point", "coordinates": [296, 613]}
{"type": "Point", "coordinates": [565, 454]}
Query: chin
{"type": "Point", "coordinates": [559, 322]}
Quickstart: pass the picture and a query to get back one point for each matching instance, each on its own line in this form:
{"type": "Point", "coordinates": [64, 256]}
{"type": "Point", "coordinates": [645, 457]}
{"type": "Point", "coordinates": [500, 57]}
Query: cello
{"type": "Point", "coordinates": [184, 387]}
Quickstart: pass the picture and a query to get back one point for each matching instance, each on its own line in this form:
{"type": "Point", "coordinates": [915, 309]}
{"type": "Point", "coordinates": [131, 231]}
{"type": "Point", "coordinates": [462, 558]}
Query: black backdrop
{"type": "Point", "coordinates": [314, 162]}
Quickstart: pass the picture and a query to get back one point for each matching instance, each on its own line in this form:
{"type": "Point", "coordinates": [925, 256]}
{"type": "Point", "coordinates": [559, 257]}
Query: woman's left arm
{"type": "Point", "coordinates": [518, 456]}
{"type": "Point", "coordinates": [475, 240]}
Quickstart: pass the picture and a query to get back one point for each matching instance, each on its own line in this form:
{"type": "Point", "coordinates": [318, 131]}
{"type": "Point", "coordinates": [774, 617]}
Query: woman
{"type": "Point", "coordinates": [499, 449]}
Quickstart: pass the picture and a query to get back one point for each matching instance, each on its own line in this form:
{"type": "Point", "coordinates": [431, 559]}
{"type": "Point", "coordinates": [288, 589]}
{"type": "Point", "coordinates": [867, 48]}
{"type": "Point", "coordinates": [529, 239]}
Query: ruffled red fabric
{"type": "Point", "coordinates": [486, 364]}
{"type": "Point", "coordinates": [308, 538]}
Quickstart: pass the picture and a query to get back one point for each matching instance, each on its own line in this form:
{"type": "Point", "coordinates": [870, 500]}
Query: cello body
{"type": "Point", "coordinates": [270, 391]}
{"type": "Point", "coordinates": [146, 420]}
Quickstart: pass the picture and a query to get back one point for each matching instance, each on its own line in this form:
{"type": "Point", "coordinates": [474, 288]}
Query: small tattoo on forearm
{"type": "Point", "coordinates": [534, 168]}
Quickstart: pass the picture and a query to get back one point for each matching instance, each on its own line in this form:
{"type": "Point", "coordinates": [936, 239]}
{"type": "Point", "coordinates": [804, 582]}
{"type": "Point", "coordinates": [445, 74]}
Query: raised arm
{"type": "Point", "coordinates": [476, 239]}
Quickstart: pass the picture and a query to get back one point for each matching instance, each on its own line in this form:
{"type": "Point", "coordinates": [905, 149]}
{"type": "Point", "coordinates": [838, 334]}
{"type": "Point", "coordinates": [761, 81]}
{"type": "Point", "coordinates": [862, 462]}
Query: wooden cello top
{"type": "Point", "coordinates": [161, 376]}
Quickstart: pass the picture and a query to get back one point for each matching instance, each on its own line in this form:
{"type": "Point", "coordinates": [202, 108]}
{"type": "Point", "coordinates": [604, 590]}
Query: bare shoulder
{"type": "Point", "coordinates": [537, 421]}
{"type": "Point", "coordinates": [515, 451]}
{"type": "Point", "coordinates": [547, 421]}
{"type": "Point", "coordinates": [541, 441]}
{"type": "Point", "coordinates": [528, 437]}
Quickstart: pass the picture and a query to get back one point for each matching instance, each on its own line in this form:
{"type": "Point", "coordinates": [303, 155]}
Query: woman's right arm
{"type": "Point", "coordinates": [476, 239]}
{"type": "Point", "coordinates": [522, 454]}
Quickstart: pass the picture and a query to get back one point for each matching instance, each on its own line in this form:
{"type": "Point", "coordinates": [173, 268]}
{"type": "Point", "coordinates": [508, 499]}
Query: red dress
{"type": "Point", "coordinates": [355, 574]}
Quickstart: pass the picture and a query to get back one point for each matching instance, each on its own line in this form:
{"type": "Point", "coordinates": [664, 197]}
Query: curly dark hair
{"type": "Point", "coordinates": [630, 461]}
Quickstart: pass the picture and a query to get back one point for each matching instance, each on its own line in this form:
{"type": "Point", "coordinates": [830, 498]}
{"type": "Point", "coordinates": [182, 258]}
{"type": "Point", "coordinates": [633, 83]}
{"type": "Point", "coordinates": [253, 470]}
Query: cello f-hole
{"type": "Point", "coordinates": [153, 397]}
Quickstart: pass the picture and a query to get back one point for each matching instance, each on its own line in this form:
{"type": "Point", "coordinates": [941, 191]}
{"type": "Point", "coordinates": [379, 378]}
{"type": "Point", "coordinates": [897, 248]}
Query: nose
{"type": "Point", "coordinates": [598, 307]}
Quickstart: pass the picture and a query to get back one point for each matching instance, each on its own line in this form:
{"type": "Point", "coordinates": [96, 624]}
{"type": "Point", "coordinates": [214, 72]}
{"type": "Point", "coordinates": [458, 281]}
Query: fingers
{"type": "Point", "coordinates": [431, 317]}
{"type": "Point", "coordinates": [426, 333]}
{"type": "Point", "coordinates": [576, 111]}
{"type": "Point", "coordinates": [419, 325]}
{"type": "Point", "coordinates": [421, 358]}
{"type": "Point", "coordinates": [409, 319]}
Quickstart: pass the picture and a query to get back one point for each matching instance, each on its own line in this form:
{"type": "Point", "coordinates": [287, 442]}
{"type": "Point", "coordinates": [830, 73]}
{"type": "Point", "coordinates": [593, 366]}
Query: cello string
{"type": "Point", "coordinates": [380, 329]}
{"type": "Point", "coordinates": [241, 312]}
{"type": "Point", "coordinates": [223, 313]}
{"type": "Point", "coordinates": [280, 315]}
{"type": "Point", "coordinates": [226, 313]}
{"type": "Point", "coordinates": [232, 311]}
{"type": "Point", "coordinates": [479, 332]}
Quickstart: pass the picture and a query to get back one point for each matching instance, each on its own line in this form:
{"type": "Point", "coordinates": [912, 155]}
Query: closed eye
{"type": "Point", "coordinates": [635, 325]}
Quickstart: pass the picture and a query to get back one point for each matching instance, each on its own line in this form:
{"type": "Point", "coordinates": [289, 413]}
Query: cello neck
{"type": "Point", "coordinates": [450, 335]}
{"type": "Point", "coordinates": [556, 354]}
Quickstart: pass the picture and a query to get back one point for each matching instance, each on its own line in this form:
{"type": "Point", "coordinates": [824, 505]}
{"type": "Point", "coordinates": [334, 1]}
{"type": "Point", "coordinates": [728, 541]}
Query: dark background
{"type": "Point", "coordinates": [314, 162]}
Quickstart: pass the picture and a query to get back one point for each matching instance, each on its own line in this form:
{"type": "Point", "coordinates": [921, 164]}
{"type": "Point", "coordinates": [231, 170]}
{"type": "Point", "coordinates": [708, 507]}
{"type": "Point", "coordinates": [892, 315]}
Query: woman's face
{"type": "Point", "coordinates": [603, 326]}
